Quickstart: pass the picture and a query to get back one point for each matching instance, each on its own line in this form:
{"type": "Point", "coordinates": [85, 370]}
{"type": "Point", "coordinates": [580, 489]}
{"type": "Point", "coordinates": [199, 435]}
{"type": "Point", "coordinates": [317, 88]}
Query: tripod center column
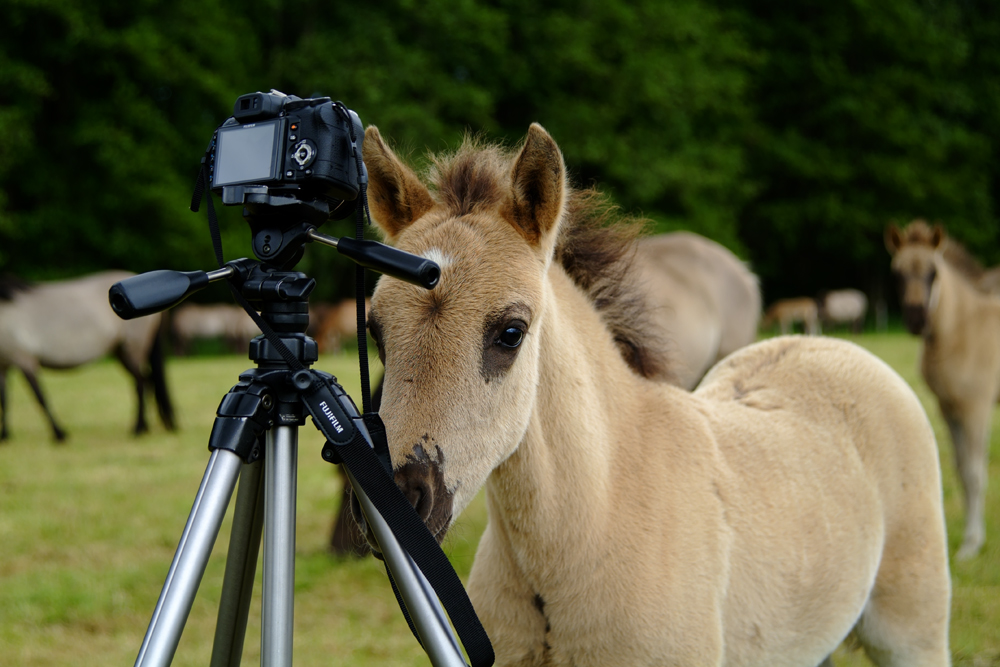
{"type": "Point", "coordinates": [280, 486]}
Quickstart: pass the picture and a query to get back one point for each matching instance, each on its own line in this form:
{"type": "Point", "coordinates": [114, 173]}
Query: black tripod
{"type": "Point", "coordinates": [255, 439]}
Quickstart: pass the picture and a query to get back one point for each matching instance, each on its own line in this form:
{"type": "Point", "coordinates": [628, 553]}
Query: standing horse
{"type": "Point", "coordinates": [786, 312]}
{"type": "Point", "coordinates": [704, 300]}
{"type": "Point", "coordinates": [960, 359]}
{"type": "Point", "coordinates": [66, 324]}
{"type": "Point", "coordinates": [195, 321]}
{"type": "Point", "coordinates": [843, 306]}
{"type": "Point", "coordinates": [337, 323]}
{"type": "Point", "coordinates": [793, 496]}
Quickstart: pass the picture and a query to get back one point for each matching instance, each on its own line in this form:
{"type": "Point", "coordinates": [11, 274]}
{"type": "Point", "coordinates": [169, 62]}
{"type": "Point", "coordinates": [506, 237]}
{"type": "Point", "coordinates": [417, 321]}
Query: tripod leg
{"type": "Point", "coordinates": [429, 618]}
{"type": "Point", "coordinates": [190, 559]}
{"type": "Point", "coordinates": [281, 457]}
{"type": "Point", "coordinates": [241, 567]}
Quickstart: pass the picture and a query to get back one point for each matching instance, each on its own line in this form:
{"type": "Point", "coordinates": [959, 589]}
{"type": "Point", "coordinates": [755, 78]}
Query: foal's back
{"type": "Point", "coordinates": [831, 482]}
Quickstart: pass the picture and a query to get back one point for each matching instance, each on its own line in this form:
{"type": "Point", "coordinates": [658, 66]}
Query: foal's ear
{"type": "Point", "coordinates": [938, 235]}
{"type": "Point", "coordinates": [538, 188]}
{"type": "Point", "coordinates": [397, 197]}
{"type": "Point", "coordinates": [893, 238]}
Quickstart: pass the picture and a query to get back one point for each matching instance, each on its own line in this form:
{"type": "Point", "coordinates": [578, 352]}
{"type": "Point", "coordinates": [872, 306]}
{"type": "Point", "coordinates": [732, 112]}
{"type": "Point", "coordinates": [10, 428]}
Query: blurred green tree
{"type": "Point", "coordinates": [105, 109]}
{"type": "Point", "coordinates": [863, 115]}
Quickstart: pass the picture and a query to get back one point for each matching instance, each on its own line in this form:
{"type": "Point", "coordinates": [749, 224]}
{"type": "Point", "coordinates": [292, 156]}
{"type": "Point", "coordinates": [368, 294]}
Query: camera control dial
{"type": "Point", "coordinates": [303, 153]}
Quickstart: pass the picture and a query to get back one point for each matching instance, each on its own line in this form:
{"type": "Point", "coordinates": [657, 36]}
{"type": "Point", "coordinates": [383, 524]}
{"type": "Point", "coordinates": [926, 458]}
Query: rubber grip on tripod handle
{"type": "Point", "coordinates": [154, 291]}
{"type": "Point", "coordinates": [391, 261]}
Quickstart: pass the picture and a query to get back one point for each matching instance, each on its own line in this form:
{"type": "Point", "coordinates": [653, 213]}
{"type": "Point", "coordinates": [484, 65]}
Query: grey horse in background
{"type": "Point", "coordinates": [703, 300]}
{"type": "Point", "coordinates": [68, 323]}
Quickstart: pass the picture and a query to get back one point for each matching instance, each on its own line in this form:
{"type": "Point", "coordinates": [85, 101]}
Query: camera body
{"type": "Point", "coordinates": [293, 147]}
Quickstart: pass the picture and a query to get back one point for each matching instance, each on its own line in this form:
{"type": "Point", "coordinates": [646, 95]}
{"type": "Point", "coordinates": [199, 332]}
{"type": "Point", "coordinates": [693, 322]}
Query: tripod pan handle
{"type": "Point", "coordinates": [390, 261]}
{"type": "Point", "coordinates": [155, 291]}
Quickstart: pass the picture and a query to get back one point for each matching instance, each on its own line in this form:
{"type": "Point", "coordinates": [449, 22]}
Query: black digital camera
{"type": "Point", "coordinates": [287, 146]}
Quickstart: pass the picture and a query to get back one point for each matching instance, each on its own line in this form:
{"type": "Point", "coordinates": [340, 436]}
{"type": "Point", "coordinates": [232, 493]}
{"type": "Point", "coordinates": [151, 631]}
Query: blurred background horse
{"type": "Point", "coordinates": [786, 313]}
{"type": "Point", "coordinates": [69, 323]}
{"type": "Point", "coordinates": [195, 321]}
{"type": "Point", "coordinates": [704, 301]}
{"type": "Point", "coordinates": [960, 356]}
{"type": "Point", "coordinates": [843, 306]}
{"type": "Point", "coordinates": [335, 324]}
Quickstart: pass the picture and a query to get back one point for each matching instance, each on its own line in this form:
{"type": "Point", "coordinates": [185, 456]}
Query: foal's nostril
{"type": "Point", "coordinates": [419, 497]}
{"type": "Point", "coordinates": [417, 490]}
{"type": "Point", "coordinates": [421, 480]}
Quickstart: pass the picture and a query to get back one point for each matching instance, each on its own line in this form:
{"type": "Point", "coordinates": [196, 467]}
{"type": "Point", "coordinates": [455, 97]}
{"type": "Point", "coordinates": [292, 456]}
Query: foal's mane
{"type": "Point", "coordinates": [920, 232]}
{"type": "Point", "coordinates": [596, 246]}
{"type": "Point", "coordinates": [10, 285]}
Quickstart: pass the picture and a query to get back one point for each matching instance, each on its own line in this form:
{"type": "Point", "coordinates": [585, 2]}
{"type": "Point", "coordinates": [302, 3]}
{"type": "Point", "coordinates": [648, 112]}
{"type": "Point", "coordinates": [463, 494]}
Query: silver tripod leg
{"type": "Point", "coordinates": [429, 619]}
{"type": "Point", "coordinates": [190, 559]}
{"type": "Point", "coordinates": [277, 619]}
{"type": "Point", "coordinates": [241, 568]}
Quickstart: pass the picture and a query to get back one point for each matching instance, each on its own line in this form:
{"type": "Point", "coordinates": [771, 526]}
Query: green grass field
{"type": "Point", "coordinates": [87, 530]}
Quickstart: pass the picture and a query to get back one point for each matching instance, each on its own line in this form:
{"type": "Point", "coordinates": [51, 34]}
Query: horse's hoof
{"type": "Point", "coordinates": [968, 550]}
{"type": "Point", "coordinates": [60, 437]}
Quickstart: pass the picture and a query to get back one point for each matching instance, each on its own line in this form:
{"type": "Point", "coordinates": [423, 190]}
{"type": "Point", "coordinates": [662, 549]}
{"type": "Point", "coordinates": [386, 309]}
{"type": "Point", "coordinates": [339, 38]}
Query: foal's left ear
{"type": "Point", "coordinates": [538, 189]}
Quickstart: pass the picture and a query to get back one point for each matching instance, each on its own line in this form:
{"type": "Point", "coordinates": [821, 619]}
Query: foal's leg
{"type": "Point", "coordinates": [59, 434]}
{"type": "Point", "coordinates": [970, 437]}
{"type": "Point", "coordinates": [905, 622]}
{"type": "Point", "coordinates": [135, 370]}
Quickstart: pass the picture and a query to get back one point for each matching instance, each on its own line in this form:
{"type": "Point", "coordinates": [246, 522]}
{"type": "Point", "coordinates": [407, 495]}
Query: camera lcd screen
{"type": "Point", "coordinates": [246, 153]}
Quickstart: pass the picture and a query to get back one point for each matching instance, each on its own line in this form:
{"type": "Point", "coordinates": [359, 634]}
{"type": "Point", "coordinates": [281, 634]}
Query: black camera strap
{"type": "Point", "coordinates": [371, 467]}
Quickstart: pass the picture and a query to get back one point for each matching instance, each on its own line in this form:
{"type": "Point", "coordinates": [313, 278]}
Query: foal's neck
{"type": "Point", "coordinates": [955, 302]}
{"type": "Point", "coordinates": [556, 483]}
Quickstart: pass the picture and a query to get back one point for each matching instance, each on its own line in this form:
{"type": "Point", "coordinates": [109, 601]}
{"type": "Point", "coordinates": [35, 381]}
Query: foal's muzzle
{"type": "Point", "coordinates": [421, 479]}
{"type": "Point", "coordinates": [915, 318]}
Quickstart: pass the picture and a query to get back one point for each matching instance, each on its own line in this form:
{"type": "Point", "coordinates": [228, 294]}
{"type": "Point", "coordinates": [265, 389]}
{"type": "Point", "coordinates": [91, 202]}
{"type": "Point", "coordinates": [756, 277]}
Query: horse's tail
{"type": "Point", "coordinates": [158, 375]}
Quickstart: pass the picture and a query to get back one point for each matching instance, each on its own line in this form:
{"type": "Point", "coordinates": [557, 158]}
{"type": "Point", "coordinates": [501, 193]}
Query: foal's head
{"type": "Point", "coordinates": [462, 360]}
{"type": "Point", "coordinates": [916, 251]}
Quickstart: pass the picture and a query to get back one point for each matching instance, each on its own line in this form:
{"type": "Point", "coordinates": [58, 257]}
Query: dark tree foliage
{"type": "Point", "coordinates": [863, 115]}
{"type": "Point", "coordinates": [104, 111]}
{"type": "Point", "coordinates": [791, 132]}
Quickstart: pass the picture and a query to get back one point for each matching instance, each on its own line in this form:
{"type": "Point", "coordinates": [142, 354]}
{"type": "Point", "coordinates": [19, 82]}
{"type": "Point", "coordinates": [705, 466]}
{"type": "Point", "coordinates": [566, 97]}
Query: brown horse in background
{"type": "Point", "coordinates": [196, 321]}
{"type": "Point", "coordinates": [960, 359]}
{"type": "Point", "coordinates": [793, 497]}
{"type": "Point", "coordinates": [702, 298]}
{"type": "Point", "coordinates": [787, 312]}
{"type": "Point", "coordinates": [68, 323]}
{"type": "Point", "coordinates": [335, 324]}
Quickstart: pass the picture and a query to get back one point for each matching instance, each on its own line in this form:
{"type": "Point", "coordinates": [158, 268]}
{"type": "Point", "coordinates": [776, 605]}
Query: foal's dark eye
{"type": "Point", "coordinates": [511, 336]}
